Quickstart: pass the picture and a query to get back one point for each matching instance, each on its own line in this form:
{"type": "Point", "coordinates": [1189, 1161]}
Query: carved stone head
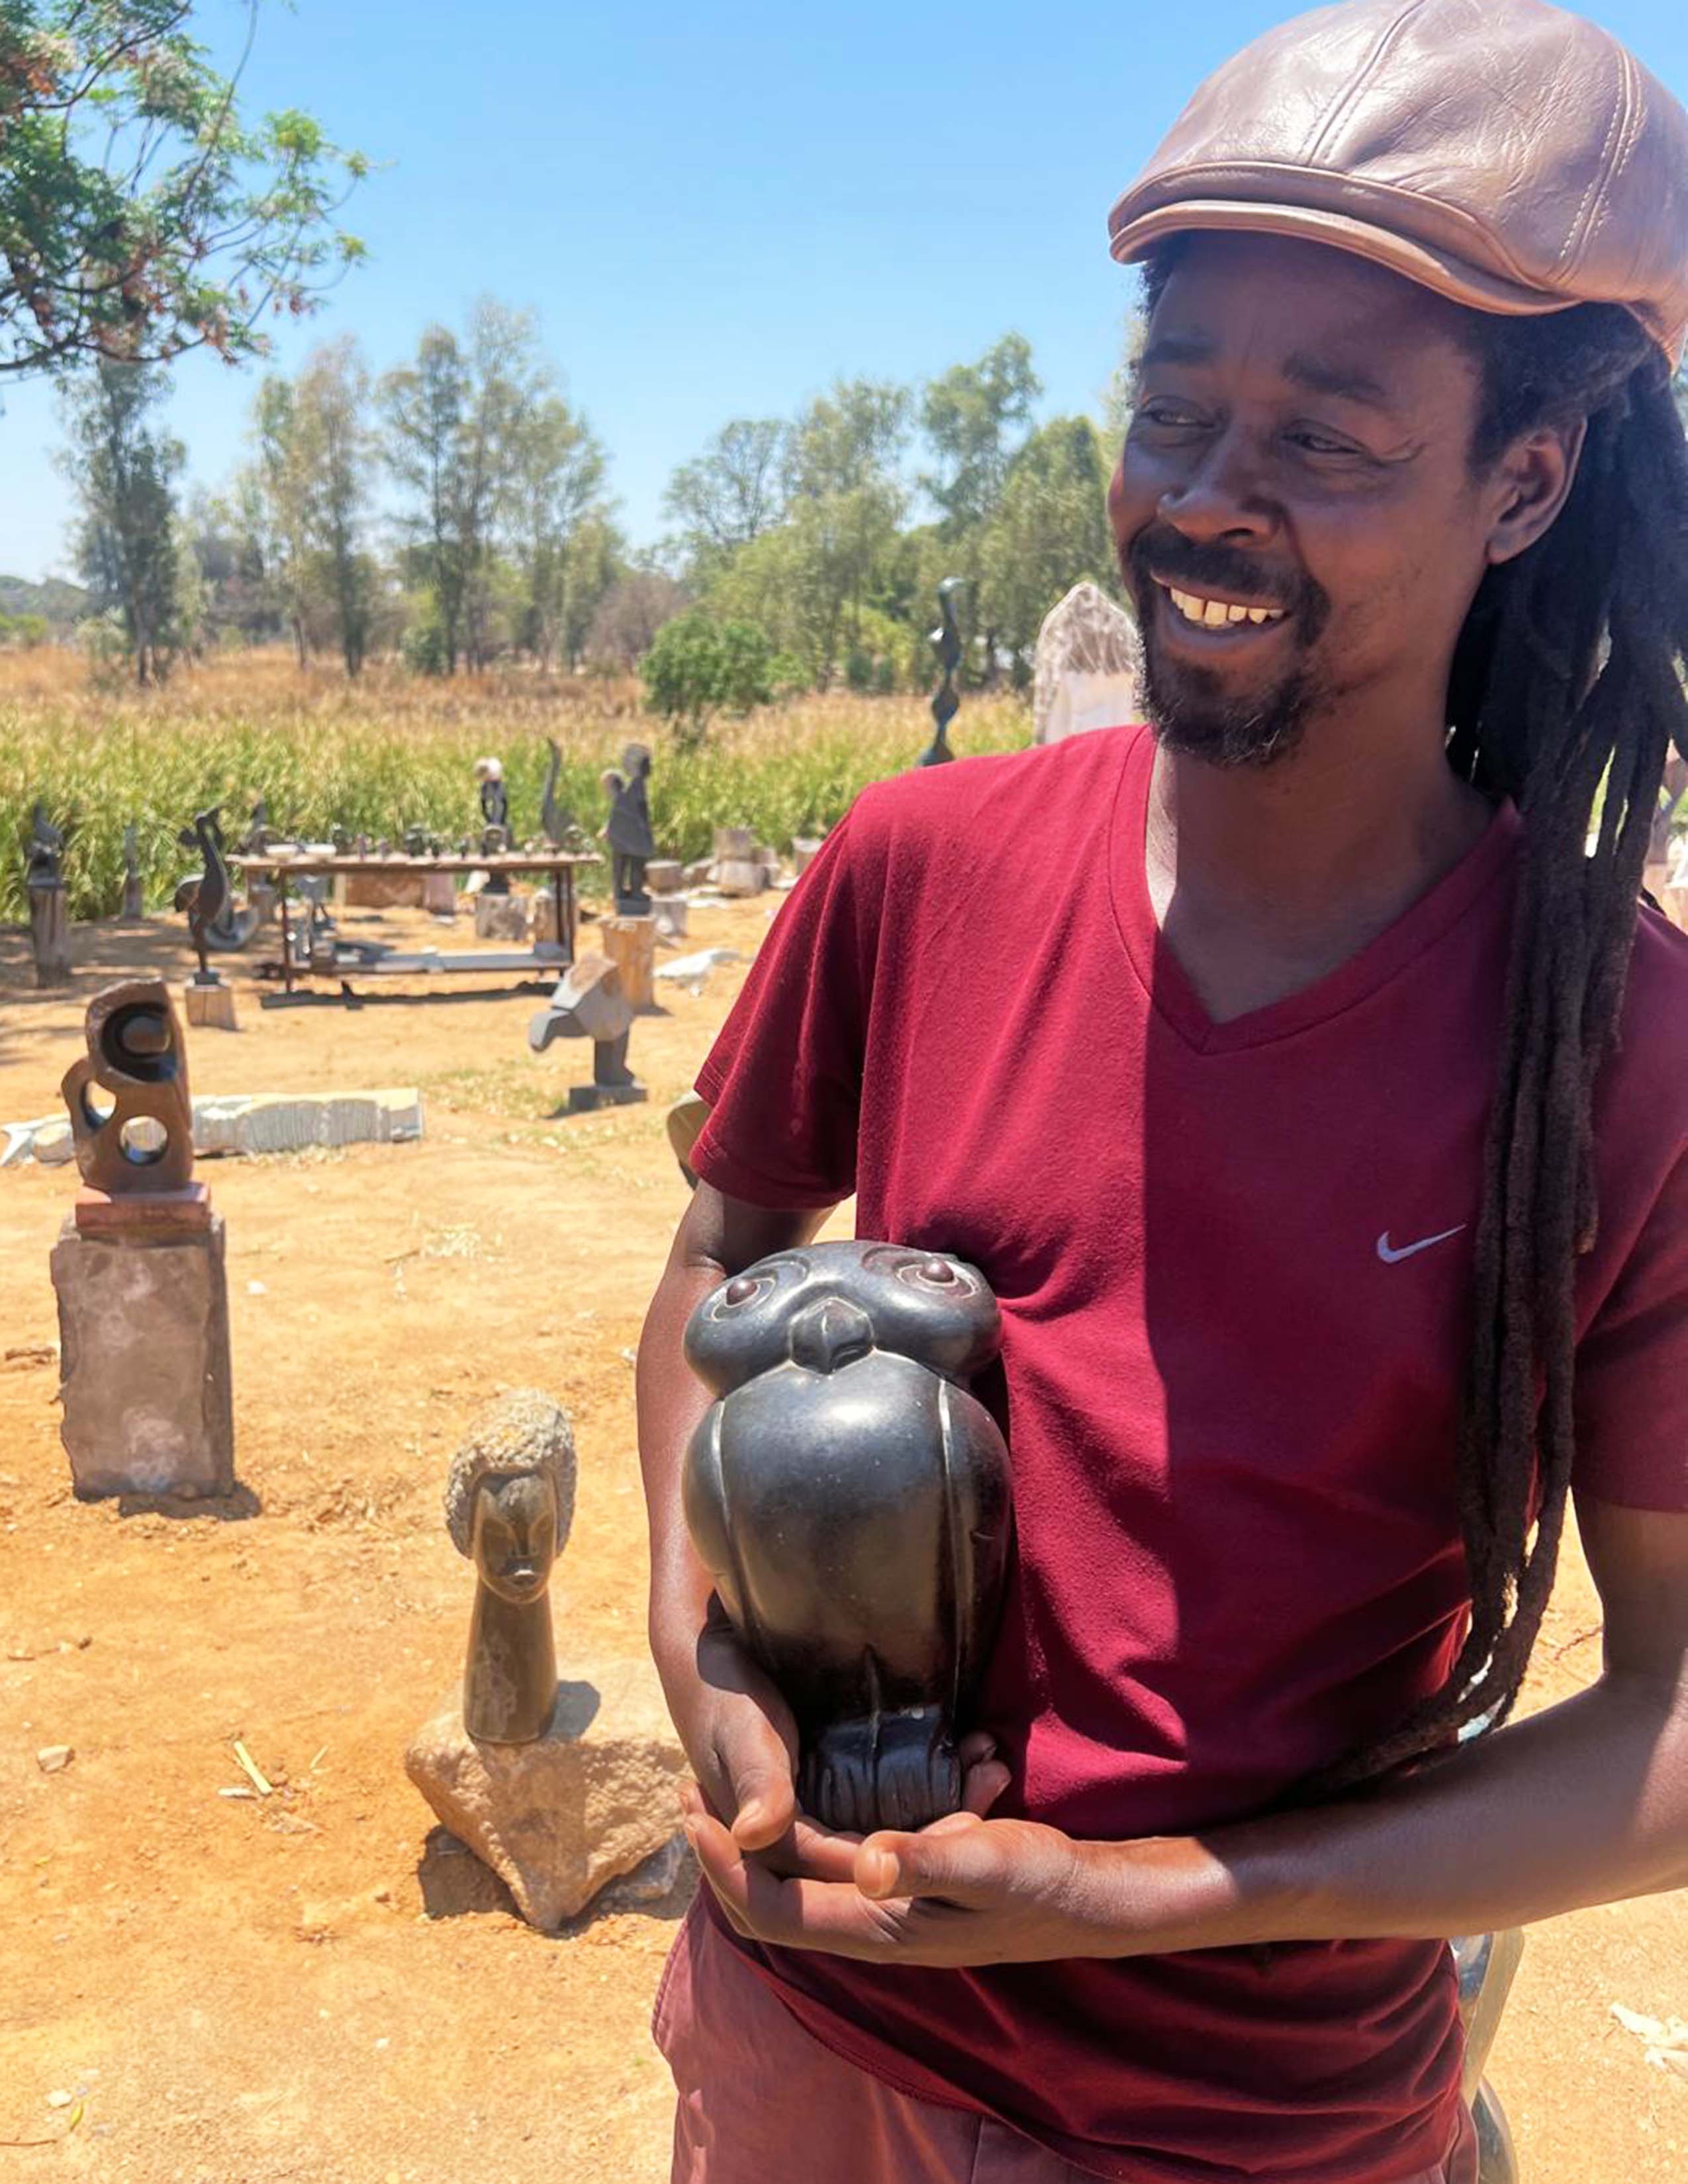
{"type": "Point", "coordinates": [510, 1494]}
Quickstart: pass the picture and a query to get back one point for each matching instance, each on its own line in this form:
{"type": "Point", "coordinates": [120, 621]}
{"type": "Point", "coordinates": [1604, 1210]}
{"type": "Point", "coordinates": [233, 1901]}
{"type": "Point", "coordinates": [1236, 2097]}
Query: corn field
{"type": "Point", "coordinates": [392, 751]}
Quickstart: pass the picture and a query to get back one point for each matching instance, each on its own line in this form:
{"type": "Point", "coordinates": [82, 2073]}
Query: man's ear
{"type": "Point", "coordinates": [1532, 482]}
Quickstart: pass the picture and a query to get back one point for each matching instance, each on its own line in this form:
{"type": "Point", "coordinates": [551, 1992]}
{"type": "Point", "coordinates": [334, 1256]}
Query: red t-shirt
{"type": "Point", "coordinates": [1234, 1263]}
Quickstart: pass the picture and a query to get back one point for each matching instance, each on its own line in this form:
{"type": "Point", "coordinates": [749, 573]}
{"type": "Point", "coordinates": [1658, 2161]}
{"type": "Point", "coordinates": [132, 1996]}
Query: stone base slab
{"type": "Point", "coordinates": [558, 1819]}
{"type": "Point", "coordinates": [587, 1099]}
{"type": "Point", "coordinates": [153, 1215]}
{"type": "Point", "coordinates": [211, 1007]}
{"type": "Point", "coordinates": [144, 1378]}
{"type": "Point", "coordinates": [501, 916]}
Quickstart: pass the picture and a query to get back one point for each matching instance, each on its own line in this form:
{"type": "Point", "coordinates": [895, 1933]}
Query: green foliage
{"type": "Point", "coordinates": [699, 666]}
{"type": "Point", "coordinates": [26, 631]}
{"type": "Point", "coordinates": [125, 472]}
{"type": "Point", "coordinates": [140, 215]}
{"type": "Point", "coordinates": [98, 764]}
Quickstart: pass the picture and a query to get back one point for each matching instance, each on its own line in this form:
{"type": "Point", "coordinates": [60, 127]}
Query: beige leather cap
{"type": "Point", "coordinates": [1509, 155]}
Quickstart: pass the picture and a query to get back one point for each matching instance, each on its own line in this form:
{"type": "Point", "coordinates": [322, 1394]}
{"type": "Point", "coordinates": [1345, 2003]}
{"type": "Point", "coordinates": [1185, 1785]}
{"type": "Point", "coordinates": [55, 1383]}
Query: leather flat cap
{"type": "Point", "coordinates": [1507, 155]}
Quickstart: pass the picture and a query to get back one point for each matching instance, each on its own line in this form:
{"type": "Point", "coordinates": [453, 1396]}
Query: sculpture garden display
{"type": "Point", "coordinates": [850, 1499]}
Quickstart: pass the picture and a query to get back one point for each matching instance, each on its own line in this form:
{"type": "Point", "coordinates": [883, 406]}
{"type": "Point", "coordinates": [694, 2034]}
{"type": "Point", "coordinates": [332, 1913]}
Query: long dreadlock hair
{"type": "Point", "coordinates": [1566, 695]}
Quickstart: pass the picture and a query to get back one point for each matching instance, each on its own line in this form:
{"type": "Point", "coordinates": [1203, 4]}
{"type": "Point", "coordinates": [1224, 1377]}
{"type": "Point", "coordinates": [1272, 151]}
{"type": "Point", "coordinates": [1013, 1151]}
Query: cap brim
{"type": "Point", "coordinates": [1455, 278]}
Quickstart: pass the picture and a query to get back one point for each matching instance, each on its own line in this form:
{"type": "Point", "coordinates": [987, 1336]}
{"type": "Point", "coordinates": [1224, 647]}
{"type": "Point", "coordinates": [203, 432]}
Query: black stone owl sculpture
{"type": "Point", "coordinates": [851, 1501]}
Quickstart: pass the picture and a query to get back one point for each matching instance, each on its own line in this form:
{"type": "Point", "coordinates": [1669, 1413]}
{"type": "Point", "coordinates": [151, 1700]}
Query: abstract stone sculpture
{"type": "Point", "coordinates": [558, 825]}
{"type": "Point", "coordinates": [206, 898]}
{"type": "Point", "coordinates": [143, 1145]}
{"type": "Point", "coordinates": [508, 1504]}
{"type": "Point", "coordinates": [628, 832]}
{"type": "Point", "coordinates": [589, 1003]}
{"type": "Point", "coordinates": [946, 641]}
{"type": "Point", "coordinates": [851, 1500]}
{"type": "Point", "coordinates": [42, 851]}
{"type": "Point", "coordinates": [49, 912]}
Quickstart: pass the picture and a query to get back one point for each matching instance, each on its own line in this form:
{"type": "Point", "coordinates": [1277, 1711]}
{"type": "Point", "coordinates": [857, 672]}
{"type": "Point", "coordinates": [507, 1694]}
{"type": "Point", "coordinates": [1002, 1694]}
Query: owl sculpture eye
{"type": "Point", "coordinates": [850, 1499]}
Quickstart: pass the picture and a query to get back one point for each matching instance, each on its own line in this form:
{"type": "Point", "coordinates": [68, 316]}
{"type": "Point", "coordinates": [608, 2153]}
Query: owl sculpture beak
{"type": "Point", "coordinates": [830, 1335]}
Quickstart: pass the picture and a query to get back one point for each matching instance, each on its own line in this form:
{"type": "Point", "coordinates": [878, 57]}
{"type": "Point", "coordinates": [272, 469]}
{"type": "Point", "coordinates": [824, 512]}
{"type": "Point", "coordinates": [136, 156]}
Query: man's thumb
{"type": "Point", "coordinates": [765, 1804]}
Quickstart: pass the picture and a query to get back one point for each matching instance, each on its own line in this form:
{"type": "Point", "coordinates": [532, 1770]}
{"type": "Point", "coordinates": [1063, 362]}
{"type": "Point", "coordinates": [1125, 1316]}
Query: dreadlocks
{"type": "Point", "coordinates": [1566, 695]}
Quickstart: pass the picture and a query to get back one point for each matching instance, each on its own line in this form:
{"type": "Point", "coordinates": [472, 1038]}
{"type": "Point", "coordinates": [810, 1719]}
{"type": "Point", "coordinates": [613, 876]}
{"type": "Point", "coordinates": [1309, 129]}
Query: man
{"type": "Point", "coordinates": [1338, 1233]}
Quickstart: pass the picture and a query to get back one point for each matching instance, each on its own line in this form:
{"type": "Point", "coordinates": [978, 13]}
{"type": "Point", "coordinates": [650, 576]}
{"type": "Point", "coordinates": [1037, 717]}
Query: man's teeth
{"type": "Point", "coordinates": [1218, 614]}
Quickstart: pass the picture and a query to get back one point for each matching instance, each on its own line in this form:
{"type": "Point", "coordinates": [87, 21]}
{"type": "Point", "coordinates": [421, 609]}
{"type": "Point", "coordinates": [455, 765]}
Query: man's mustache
{"type": "Point", "coordinates": [1161, 554]}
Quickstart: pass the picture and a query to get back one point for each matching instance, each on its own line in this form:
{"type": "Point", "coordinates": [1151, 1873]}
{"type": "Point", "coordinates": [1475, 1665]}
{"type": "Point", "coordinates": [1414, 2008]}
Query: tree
{"type": "Point", "coordinates": [139, 215]}
{"type": "Point", "coordinates": [557, 492]}
{"type": "Point", "coordinates": [125, 472]}
{"type": "Point", "coordinates": [1052, 530]}
{"type": "Point", "coordinates": [634, 607]}
{"type": "Point", "coordinates": [975, 418]}
{"type": "Point", "coordinates": [698, 665]}
{"type": "Point", "coordinates": [274, 498]}
{"type": "Point", "coordinates": [333, 451]}
{"type": "Point", "coordinates": [456, 422]}
{"type": "Point", "coordinates": [732, 493]}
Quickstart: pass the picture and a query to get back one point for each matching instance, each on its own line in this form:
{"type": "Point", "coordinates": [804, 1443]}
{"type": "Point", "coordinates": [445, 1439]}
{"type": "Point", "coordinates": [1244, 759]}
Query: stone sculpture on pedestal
{"type": "Point", "coordinates": [628, 830]}
{"type": "Point", "coordinates": [495, 835]}
{"type": "Point", "coordinates": [139, 1266]}
{"type": "Point", "coordinates": [49, 907]}
{"type": "Point", "coordinates": [590, 1002]}
{"type": "Point", "coordinates": [850, 1499]}
{"type": "Point", "coordinates": [134, 890]}
{"type": "Point", "coordinates": [559, 1787]}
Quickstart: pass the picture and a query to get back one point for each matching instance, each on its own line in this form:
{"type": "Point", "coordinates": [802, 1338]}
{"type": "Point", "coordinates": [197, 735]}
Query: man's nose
{"type": "Point", "coordinates": [1222, 496]}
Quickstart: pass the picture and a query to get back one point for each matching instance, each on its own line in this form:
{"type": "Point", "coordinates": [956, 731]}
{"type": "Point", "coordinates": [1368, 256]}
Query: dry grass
{"type": "Point", "coordinates": [394, 751]}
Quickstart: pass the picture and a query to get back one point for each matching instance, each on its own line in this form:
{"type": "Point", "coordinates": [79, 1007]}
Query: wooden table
{"type": "Point", "coordinates": [558, 866]}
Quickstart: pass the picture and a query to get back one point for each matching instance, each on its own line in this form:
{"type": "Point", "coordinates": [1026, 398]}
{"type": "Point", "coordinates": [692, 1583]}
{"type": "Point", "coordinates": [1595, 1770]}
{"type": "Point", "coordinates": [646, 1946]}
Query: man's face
{"type": "Point", "coordinates": [1294, 507]}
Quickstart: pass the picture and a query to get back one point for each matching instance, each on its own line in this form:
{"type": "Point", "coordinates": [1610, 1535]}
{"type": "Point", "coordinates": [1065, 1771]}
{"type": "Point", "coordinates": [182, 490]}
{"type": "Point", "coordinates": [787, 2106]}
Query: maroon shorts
{"type": "Point", "coordinates": [761, 2100]}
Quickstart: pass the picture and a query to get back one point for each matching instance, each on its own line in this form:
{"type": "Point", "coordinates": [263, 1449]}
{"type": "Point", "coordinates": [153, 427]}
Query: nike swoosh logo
{"type": "Point", "coordinates": [1393, 1254]}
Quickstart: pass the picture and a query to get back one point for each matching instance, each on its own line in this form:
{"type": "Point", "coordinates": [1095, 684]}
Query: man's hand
{"type": "Point", "coordinates": [966, 1891]}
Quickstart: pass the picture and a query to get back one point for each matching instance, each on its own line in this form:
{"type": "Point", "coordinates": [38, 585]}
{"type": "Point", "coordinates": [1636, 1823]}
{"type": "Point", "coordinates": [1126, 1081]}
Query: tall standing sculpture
{"type": "Point", "coordinates": [628, 830]}
{"type": "Point", "coordinates": [49, 908]}
{"type": "Point", "coordinates": [206, 899]}
{"type": "Point", "coordinates": [134, 889]}
{"type": "Point", "coordinates": [850, 1499]}
{"type": "Point", "coordinates": [946, 641]}
{"type": "Point", "coordinates": [558, 825]}
{"type": "Point", "coordinates": [495, 835]}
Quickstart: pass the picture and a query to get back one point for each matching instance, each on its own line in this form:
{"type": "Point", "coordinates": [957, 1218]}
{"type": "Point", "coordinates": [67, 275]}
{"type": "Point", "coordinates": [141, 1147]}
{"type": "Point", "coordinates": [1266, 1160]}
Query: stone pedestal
{"type": "Point", "coordinates": [559, 1820]}
{"type": "Point", "coordinates": [50, 935]}
{"type": "Point", "coordinates": [134, 899]}
{"type": "Point", "coordinates": [143, 1332]}
{"type": "Point", "coordinates": [802, 851]}
{"type": "Point", "coordinates": [500, 916]}
{"type": "Point", "coordinates": [630, 943]}
{"type": "Point", "coordinates": [662, 875]}
{"type": "Point", "coordinates": [669, 912]}
{"type": "Point", "coordinates": [211, 1007]}
{"type": "Point", "coordinates": [439, 893]}
{"type": "Point", "coordinates": [738, 868]}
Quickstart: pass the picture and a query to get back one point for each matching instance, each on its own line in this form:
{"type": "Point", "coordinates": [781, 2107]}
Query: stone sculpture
{"type": "Point", "coordinates": [946, 641]}
{"type": "Point", "coordinates": [508, 1504]}
{"type": "Point", "coordinates": [206, 898]}
{"type": "Point", "coordinates": [559, 1787]}
{"type": "Point", "coordinates": [140, 1266]}
{"type": "Point", "coordinates": [49, 903]}
{"type": "Point", "coordinates": [134, 892]}
{"type": "Point", "coordinates": [558, 825]}
{"type": "Point", "coordinates": [1087, 670]}
{"type": "Point", "coordinates": [143, 1144]}
{"type": "Point", "coordinates": [628, 830]}
{"type": "Point", "coordinates": [850, 1499]}
{"type": "Point", "coordinates": [590, 1002]}
{"type": "Point", "coordinates": [495, 835]}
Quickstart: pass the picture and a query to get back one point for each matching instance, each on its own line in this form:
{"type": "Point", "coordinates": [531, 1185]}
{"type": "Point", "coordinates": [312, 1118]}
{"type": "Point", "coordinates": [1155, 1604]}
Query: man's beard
{"type": "Point", "coordinates": [1189, 707]}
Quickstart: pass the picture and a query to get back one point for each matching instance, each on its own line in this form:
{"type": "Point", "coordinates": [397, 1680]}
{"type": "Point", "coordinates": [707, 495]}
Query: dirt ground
{"type": "Point", "coordinates": [312, 1987]}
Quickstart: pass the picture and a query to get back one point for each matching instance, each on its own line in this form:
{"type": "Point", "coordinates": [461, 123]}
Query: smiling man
{"type": "Point", "coordinates": [1324, 1137]}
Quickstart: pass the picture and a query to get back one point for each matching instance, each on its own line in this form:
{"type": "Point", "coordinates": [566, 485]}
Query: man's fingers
{"type": "Point", "coordinates": [955, 1858]}
{"type": "Point", "coordinates": [758, 1771]}
{"type": "Point", "coordinates": [982, 1785]}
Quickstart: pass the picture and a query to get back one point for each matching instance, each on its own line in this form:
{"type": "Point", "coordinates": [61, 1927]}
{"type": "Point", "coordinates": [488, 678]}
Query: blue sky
{"type": "Point", "coordinates": [715, 212]}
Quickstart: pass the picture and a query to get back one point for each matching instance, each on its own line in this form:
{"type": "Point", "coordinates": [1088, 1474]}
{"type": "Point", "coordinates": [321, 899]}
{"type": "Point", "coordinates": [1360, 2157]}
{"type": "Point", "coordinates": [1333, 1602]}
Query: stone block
{"type": "Point", "coordinates": [501, 916]}
{"type": "Point", "coordinates": [663, 875]}
{"type": "Point", "coordinates": [630, 943]}
{"type": "Point", "coordinates": [287, 1122]}
{"type": "Point", "coordinates": [211, 1007]}
{"type": "Point", "coordinates": [383, 890]}
{"type": "Point", "coordinates": [741, 876]}
{"type": "Point", "coordinates": [439, 893]}
{"type": "Point", "coordinates": [735, 845]}
{"type": "Point", "coordinates": [144, 1378]}
{"type": "Point", "coordinates": [559, 1820]}
{"type": "Point", "coordinates": [669, 912]}
{"type": "Point", "coordinates": [50, 935]}
{"type": "Point", "coordinates": [804, 849]}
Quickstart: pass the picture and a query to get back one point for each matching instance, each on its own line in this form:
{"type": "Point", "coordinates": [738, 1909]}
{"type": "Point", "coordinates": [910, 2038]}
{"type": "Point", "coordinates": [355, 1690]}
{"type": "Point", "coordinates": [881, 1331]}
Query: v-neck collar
{"type": "Point", "coordinates": [1167, 982]}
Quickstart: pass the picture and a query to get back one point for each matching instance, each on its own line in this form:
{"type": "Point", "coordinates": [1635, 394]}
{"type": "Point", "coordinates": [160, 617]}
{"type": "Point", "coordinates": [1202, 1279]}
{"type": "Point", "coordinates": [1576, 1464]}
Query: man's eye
{"type": "Point", "coordinates": [1172, 414]}
{"type": "Point", "coordinates": [1321, 443]}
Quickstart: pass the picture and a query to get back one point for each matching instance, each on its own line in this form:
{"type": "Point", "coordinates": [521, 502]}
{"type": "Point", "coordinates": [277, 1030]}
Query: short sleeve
{"type": "Point", "coordinates": [783, 1079]}
{"type": "Point", "coordinates": [1632, 1369]}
